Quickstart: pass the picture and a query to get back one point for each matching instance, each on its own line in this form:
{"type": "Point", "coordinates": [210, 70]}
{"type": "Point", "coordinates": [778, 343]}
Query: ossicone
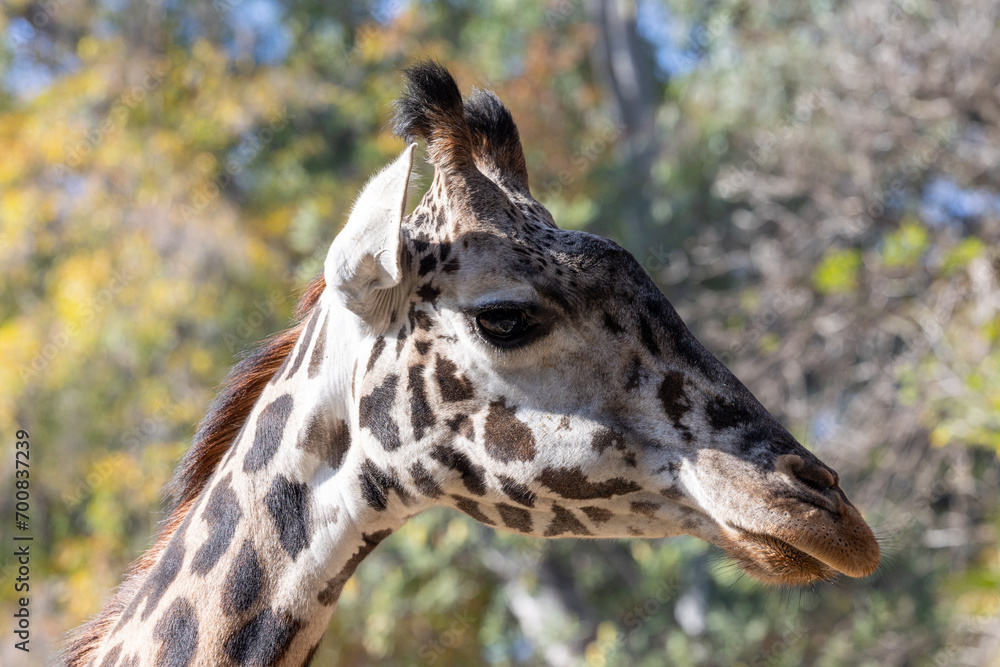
{"type": "Point", "coordinates": [467, 137]}
{"type": "Point", "coordinates": [431, 108]}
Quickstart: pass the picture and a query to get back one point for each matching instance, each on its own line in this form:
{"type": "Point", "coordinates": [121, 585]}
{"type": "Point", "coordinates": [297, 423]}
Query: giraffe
{"type": "Point", "coordinates": [470, 354]}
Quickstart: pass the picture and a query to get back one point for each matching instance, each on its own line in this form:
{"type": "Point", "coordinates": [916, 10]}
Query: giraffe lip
{"type": "Point", "coordinates": [786, 540]}
{"type": "Point", "coordinates": [772, 560]}
{"type": "Point", "coordinates": [790, 559]}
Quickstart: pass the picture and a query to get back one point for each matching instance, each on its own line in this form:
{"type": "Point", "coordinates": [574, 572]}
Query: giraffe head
{"type": "Point", "coordinates": [537, 380]}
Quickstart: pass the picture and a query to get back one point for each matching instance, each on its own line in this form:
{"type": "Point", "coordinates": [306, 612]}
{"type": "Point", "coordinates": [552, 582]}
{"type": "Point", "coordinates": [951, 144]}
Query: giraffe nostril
{"type": "Point", "coordinates": [811, 473]}
{"type": "Point", "coordinates": [817, 478]}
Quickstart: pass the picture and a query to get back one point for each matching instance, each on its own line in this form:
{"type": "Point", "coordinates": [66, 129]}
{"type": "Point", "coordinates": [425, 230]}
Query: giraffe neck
{"type": "Point", "coordinates": [255, 569]}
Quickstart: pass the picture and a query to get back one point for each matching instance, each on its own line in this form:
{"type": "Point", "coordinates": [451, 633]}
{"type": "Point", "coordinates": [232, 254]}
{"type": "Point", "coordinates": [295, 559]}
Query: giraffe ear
{"type": "Point", "coordinates": [363, 261]}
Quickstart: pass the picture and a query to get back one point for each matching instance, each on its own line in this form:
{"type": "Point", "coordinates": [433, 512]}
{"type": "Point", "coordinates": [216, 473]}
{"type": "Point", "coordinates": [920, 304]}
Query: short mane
{"type": "Point", "coordinates": [238, 394]}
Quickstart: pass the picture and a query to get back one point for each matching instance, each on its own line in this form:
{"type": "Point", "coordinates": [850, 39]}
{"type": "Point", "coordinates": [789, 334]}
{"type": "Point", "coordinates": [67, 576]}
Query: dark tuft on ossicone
{"type": "Point", "coordinates": [474, 135]}
{"type": "Point", "coordinates": [496, 143]}
{"type": "Point", "coordinates": [431, 108]}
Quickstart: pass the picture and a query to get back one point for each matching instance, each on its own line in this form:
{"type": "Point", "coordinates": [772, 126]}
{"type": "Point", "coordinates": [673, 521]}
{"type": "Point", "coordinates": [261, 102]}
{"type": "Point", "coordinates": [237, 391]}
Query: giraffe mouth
{"type": "Point", "coordinates": [782, 530]}
{"type": "Point", "coordinates": [798, 560]}
{"type": "Point", "coordinates": [772, 560]}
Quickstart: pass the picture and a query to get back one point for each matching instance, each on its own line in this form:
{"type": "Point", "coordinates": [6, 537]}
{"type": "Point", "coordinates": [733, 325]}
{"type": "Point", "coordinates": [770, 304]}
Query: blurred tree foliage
{"type": "Point", "coordinates": [816, 187]}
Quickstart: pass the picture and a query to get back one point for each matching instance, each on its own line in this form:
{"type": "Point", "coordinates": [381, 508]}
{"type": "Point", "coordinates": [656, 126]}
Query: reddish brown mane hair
{"type": "Point", "coordinates": [215, 436]}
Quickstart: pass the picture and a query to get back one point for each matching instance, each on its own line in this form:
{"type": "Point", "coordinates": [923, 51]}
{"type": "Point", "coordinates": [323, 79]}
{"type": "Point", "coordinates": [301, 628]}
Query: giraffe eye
{"type": "Point", "coordinates": [503, 326]}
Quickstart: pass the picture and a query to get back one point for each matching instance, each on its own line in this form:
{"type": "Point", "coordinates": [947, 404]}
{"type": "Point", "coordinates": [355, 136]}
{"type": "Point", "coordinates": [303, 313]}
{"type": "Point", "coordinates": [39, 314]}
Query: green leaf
{"type": "Point", "coordinates": [837, 272]}
{"type": "Point", "coordinates": [905, 246]}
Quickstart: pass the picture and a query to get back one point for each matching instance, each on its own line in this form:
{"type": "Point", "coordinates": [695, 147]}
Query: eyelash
{"type": "Point", "coordinates": [523, 328]}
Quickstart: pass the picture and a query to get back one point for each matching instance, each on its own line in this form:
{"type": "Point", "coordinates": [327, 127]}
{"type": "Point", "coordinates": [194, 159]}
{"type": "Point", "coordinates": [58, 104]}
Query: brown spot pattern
{"type": "Point", "coordinates": [428, 293]}
{"type": "Point", "coordinates": [303, 345]}
{"type": "Point", "coordinates": [646, 333]}
{"type": "Point", "coordinates": [419, 319]}
{"type": "Point", "coordinates": [471, 507]}
{"type": "Point", "coordinates": [671, 493]}
{"type": "Point", "coordinates": [675, 401]}
{"type": "Point", "coordinates": [263, 640]}
{"type": "Point", "coordinates": [289, 504]}
{"type": "Point", "coordinates": [634, 374]}
{"type": "Point", "coordinates": [564, 522]}
{"type": "Point", "coordinates": [316, 360]}
{"type": "Point", "coordinates": [644, 507]}
{"type": "Point", "coordinates": [111, 659]}
{"type": "Point", "coordinates": [453, 387]}
{"type": "Point", "coordinates": [605, 438]}
{"type": "Point", "coordinates": [335, 585]}
{"type": "Point", "coordinates": [376, 484]}
{"type": "Point", "coordinates": [612, 325]}
{"type": "Point", "coordinates": [177, 629]}
{"type": "Point", "coordinates": [400, 340]}
{"type": "Point", "coordinates": [271, 424]}
{"type": "Point", "coordinates": [222, 515]}
{"type": "Point", "coordinates": [473, 475]}
{"type": "Point", "coordinates": [327, 437]}
{"type": "Point", "coordinates": [376, 353]}
{"type": "Point", "coordinates": [515, 518]}
{"type": "Point", "coordinates": [723, 413]}
{"type": "Point", "coordinates": [421, 414]}
{"type": "Point", "coordinates": [462, 425]}
{"type": "Point", "coordinates": [244, 582]}
{"type": "Point", "coordinates": [516, 491]}
{"type": "Point", "coordinates": [507, 438]}
{"type": "Point", "coordinates": [424, 482]}
{"type": "Point", "coordinates": [374, 413]}
{"type": "Point", "coordinates": [427, 264]}
{"type": "Point", "coordinates": [597, 514]}
{"type": "Point", "coordinates": [572, 483]}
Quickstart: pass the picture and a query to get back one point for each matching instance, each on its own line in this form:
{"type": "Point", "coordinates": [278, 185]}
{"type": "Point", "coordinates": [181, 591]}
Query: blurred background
{"type": "Point", "coordinates": [815, 186]}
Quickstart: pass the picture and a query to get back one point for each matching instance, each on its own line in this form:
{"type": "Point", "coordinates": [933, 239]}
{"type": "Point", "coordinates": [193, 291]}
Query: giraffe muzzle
{"type": "Point", "coordinates": [796, 541]}
{"type": "Point", "coordinates": [793, 525]}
